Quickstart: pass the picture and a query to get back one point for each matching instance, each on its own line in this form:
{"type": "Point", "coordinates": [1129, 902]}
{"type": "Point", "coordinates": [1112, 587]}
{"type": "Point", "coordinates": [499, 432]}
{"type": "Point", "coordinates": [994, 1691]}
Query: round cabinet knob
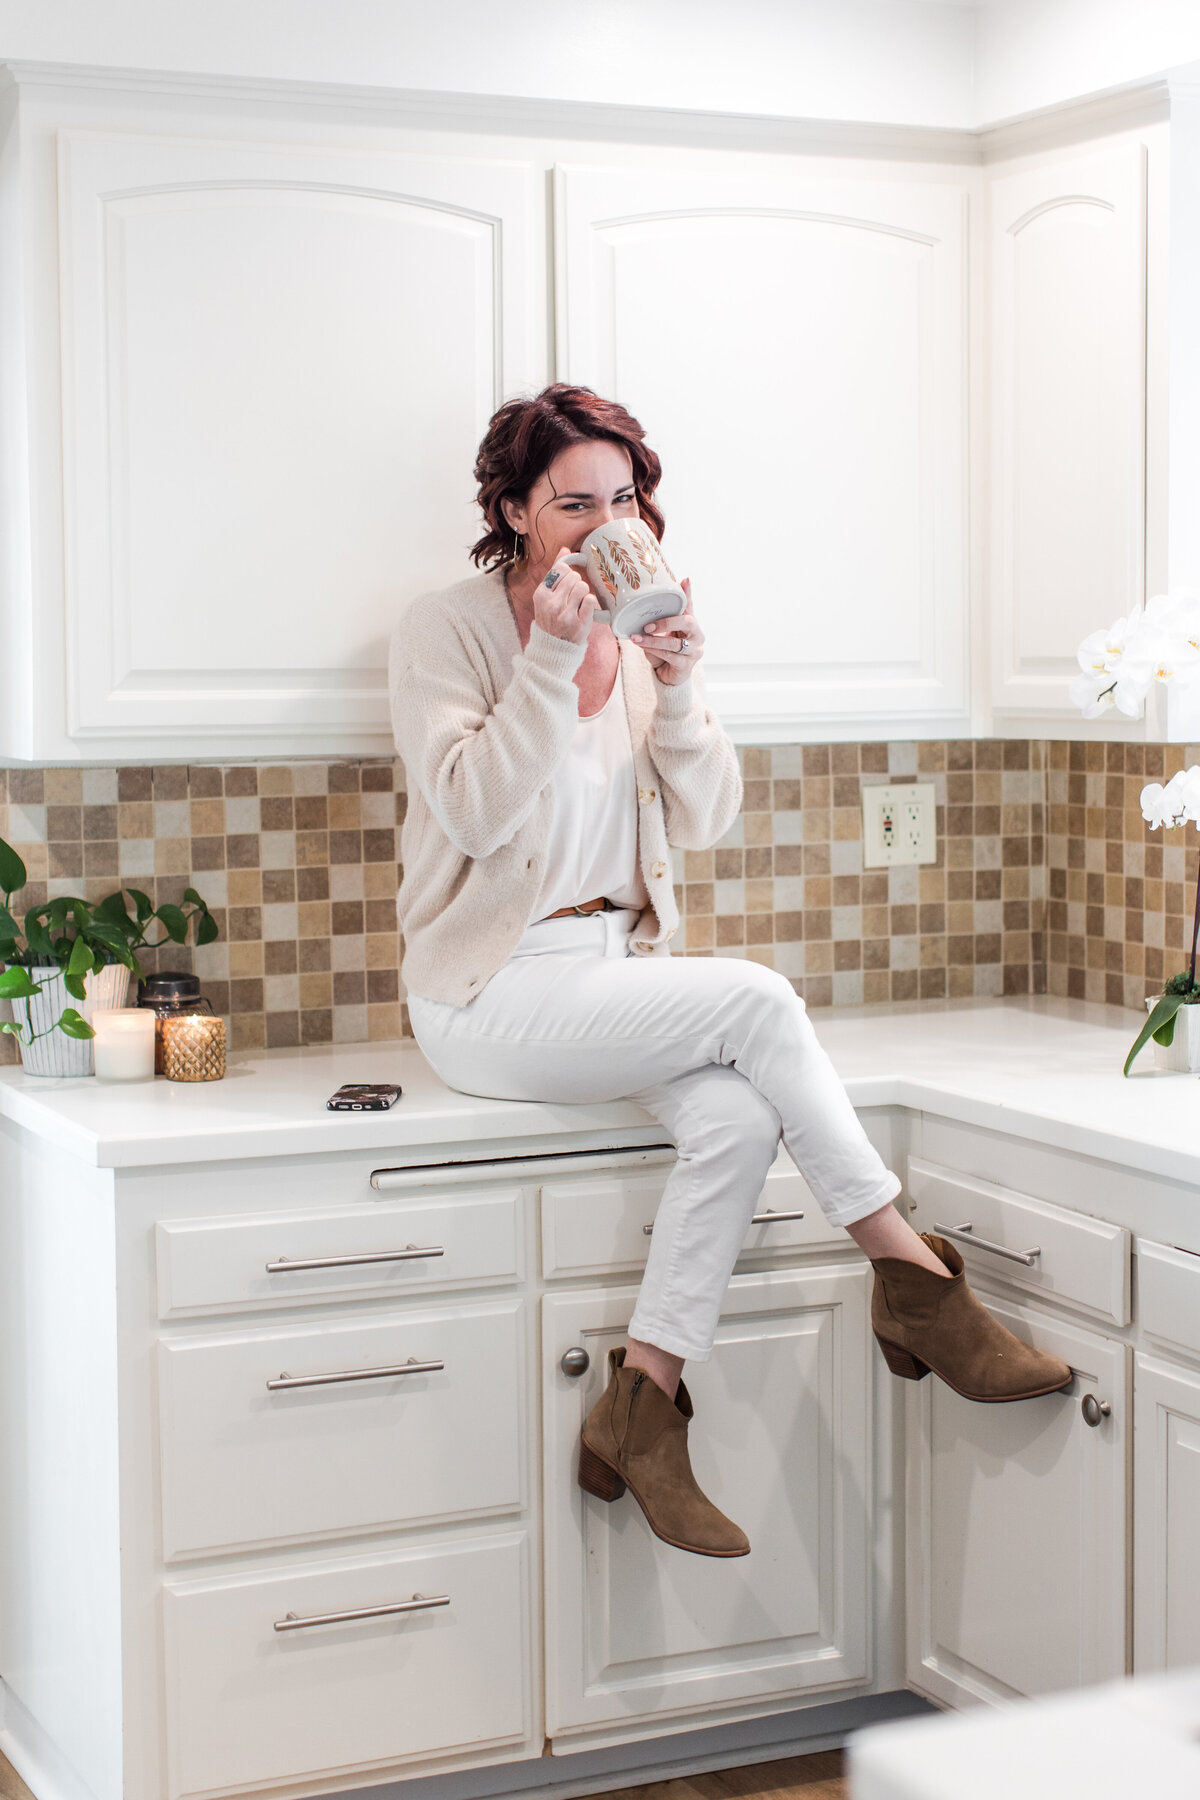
{"type": "Point", "coordinates": [1094, 1410]}
{"type": "Point", "coordinates": [575, 1361]}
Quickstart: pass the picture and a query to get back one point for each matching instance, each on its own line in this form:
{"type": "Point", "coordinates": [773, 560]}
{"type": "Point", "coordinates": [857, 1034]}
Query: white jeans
{"type": "Point", "coordinates": [720, 1051]}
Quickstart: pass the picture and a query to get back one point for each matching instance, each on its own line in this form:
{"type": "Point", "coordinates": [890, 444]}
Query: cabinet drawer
{"type": "Point", "coordinates": [598, 1223]}
{"type": "Point", "coordinates": [245, 1464]}
{"type": "Point", "coordinates": [1078, 1259]}
{"type": "Point", "coordinates": [463, 1238]}
{"type": "Point", "coordinates": [249, 1706]}
{"type": "Point", "coordinates": [1168, 1294]}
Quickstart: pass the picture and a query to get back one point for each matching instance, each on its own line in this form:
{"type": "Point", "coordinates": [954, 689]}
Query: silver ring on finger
{"type": "Point", "coordinates": [553, 578]}
{"type": "Point", "coordinates": [685, 644]}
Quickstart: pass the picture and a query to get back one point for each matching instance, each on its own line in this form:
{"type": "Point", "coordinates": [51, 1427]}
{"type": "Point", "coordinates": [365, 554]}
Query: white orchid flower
{"type": "Point", "coordinates": [1188, 795]}
{"type": "Point", "coordinates": [1158, 805]}
{"type": "Point", "coordinates": [1132, 684]}
{"type": "Point", "coordinates": [1104, 649]}
{"type": "Point", "coordinates": [1093, 693]}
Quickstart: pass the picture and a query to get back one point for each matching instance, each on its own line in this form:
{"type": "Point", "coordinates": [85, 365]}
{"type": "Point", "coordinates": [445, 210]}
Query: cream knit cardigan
{"type": "Point", "coordinates": [481, 726]}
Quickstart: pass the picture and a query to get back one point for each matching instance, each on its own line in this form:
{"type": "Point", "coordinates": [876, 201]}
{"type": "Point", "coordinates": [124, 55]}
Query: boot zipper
{"type": "Point", "coordinates": [634, 1386]}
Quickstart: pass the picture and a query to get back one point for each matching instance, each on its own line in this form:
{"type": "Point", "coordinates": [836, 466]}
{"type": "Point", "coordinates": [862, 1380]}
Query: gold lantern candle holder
{"type": "Point", "coordinates": [193, 1047]}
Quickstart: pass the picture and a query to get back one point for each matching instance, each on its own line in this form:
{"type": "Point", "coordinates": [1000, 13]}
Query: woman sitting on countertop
{"type": "Point", "coordinates": [550, 765]}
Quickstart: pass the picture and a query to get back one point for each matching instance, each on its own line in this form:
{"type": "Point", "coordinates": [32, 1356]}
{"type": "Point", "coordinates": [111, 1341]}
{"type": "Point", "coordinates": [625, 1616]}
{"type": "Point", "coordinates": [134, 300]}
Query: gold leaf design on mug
{"type": "Point", "coordinates": [606, 574]}
{"type": "Point", "coordinates": [626, 564]}
{"type": "Point", "coordinates": [654, 547]}
{"type": "Point", "coordinates": [644, 552]}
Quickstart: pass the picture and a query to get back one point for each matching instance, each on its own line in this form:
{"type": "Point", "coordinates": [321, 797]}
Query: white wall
{"type": "Point", "coordinates": [900, 61]}
{"type": "Point", "coordinates": [1034, 53]}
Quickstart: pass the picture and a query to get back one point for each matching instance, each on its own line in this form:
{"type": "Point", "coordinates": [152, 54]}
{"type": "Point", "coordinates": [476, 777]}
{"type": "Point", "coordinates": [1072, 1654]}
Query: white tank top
{"type": "Point", "coordinates": [593, 831]}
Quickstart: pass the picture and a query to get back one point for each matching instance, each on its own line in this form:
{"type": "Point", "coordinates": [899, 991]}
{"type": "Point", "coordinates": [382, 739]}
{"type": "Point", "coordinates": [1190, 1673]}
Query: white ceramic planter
{"type": "Point", "coordinates": [1182, 1054]}
{"type": "Point", "coordinates": [57, 1054]}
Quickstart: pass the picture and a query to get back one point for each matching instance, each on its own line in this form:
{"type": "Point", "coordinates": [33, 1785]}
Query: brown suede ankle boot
{"type": "Point", "coordinates": [924, 1321]}
{"type": "Point", "coordinates": [635, 1437]}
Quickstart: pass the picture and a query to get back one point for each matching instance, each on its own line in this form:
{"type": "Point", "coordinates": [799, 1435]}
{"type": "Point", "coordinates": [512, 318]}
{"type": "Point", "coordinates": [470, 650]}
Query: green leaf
{"type": "Point", "coordinates": [208, 930]}
{"type": "Point", "coordinates": [37, 935]}
{"type": "Point", "coordinates": [13, 873]}
{"type": "Point", "coordinates": [10, 1029]}
{"type": "Point", "coordinates": [15, 984]}
{"type": "Point", "coordinates": [143, 905]}
{"type": "Point", "coordinates": [72, 1026]}
{"type": "Point", "coordinates": [113, 910]}
{"type": "Point", "coordinates": [174, 922]}
{"type": "Point", "coordinates": [1160, 1026]}
{"type": "Point", "coordinates": [81, 962]}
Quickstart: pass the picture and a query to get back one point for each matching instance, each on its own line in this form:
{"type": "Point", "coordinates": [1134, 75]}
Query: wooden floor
{"type": "Point", "coordinates": [793, 1778]}
{"type": "Point", "coordinates": [820, 1777]}
{"type": "Point", "coordinates": [11, 1785]}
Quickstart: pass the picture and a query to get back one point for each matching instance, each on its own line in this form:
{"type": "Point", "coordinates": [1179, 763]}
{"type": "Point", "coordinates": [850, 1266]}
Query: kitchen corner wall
{"type": "Point", "coordinates": [298, 862]}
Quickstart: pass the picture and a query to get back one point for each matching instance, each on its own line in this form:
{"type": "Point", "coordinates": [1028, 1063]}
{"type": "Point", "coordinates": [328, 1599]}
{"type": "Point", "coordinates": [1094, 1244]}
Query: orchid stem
{"type": "Point", "coordinates": [1195, 932]}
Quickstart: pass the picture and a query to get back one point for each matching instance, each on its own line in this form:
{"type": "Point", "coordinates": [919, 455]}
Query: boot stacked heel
{"type": "Point", "coordinates": [595, 1477]}
{"type": "Point", "coordinates": [902, 1362]}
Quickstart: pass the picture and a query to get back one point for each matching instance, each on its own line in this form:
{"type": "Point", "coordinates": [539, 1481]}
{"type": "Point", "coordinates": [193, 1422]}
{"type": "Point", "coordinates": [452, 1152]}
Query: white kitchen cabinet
{"type": "Point", "coordinates": [796, 348]}
{"type": "Point", "coordinates": [1166, 1549]}
{"type": "Point", "coordinates": [277, 360]}
{"type": "Point", "coordinates": [250, 1705]}
{"type": "Point", "coordinates": [1016, 1527]}
{"type": "Point", "coordinates": [637, 1631]}
{"type": "Point", "coordinates": [1067, 278]}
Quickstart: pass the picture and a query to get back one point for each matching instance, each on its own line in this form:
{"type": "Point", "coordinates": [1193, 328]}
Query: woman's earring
{"type": "Point", "coordinates": [518, 552]}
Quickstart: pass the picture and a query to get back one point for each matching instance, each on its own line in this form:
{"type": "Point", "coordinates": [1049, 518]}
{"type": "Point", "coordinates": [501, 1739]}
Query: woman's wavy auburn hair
{"type": "Point", "coordinates": [524, 437]}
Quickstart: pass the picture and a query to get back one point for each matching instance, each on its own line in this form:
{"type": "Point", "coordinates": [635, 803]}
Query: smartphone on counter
{"type": "Point", "coordinates": [365, 1096]}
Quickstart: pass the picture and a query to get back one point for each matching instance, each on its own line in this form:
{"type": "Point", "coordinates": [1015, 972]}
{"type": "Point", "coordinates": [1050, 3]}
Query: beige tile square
{"type": "Point", "coordinates": [275, 779]}
{"type": "Point", "coordinates": [316, 990]}
{"type": "Point", "coordinates": [207, 818]}
{"type": "Point", "coordinates": [249, 1031]}
{"type": "Point", "coordinates": [384, 1021]}
{"type": "Point", "coordinates": [379, 881]}
{"type": "Point", "coordinates": [64, 787]}
{"type": "Point", "coordinates": [173, 856]}
{"type": "Point", "coordinates": [760, 896]}
{"type": "Point", "coordinates": [245, 959]}
{"type": "Point", "coordinates": [135, 819]}
{"type": "Point", "coordinates": [245, 887]}
{"type": "Point", "coordinates": [382, 950]}
{"type": "Point", "coordinates": [758, 828]}
{"type": "Point", "coordinates": [314, 918]}
{"type": "Point", "coordinates": [345, 812]}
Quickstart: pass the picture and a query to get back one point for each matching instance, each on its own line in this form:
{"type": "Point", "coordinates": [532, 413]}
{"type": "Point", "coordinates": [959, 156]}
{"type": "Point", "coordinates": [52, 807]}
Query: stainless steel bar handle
{"type": "Point", "coordinates": [418, 1603]}
{"type": "Point", "coordinates": [966, 1235]}
{"type": "Point", "coordinates": [412, 1367]}
{"type": "Point", "coordinates": [770, 1217]}
{"type": "Point", "coordinates": [287, 1263]}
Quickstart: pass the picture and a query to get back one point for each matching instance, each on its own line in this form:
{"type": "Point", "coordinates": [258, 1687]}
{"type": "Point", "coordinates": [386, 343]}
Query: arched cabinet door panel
{"type": "Point", "coordinates": [278, 361]}
{"type": "Point", "coordinates": [796, 349]}
{"type": "Point", "coordinates": [1068, 286]}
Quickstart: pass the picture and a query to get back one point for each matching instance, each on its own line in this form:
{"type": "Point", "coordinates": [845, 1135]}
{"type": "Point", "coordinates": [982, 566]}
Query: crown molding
{"type": "Point", "coordinates": [1139, 104]}
{"type": "Point", "coordinates": [515, 116]}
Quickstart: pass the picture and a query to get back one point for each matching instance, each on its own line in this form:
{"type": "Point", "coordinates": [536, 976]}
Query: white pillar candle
{"type": "Point", "coordinates": [124, 1043]}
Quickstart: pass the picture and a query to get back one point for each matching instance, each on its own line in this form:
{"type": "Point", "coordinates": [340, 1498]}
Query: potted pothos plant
{"type": "Point", "coordinates": [69, 948]}
{"type": "Point", "coordinates": [1171, 805]}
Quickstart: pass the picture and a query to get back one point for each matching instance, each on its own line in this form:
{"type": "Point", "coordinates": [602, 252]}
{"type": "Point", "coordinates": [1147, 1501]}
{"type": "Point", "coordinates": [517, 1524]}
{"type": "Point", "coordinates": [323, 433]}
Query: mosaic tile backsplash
{"type": "Point", "coordinates": [1046, 876]}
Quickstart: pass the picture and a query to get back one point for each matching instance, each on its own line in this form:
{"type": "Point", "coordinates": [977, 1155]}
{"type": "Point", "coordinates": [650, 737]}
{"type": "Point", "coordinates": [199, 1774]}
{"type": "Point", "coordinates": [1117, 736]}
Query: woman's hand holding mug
{"type": "Point", "coordinates": [673, 646]}
{"type": "Point", "coordinates": [563, 603]}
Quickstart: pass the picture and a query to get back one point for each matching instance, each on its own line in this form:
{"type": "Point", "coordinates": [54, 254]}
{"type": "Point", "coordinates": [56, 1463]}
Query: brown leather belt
{"type": "Point", "coordinates": [589, 906]}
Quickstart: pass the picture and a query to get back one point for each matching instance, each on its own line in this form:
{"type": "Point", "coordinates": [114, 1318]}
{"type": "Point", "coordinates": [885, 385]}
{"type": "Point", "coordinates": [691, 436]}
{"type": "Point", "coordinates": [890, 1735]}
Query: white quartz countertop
{"type": "Point", "coordinates": [1040, 1068]}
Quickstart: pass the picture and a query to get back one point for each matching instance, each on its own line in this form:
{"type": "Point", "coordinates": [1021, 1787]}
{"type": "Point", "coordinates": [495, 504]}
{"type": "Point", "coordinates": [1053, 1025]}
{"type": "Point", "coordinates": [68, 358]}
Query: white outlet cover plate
{"type": "Point", "coordinates": [899, 824]}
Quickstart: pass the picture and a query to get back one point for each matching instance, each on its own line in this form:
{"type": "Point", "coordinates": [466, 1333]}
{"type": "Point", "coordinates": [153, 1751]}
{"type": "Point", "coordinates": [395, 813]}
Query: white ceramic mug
{"type": "Point", "coordinates": [625, 566]}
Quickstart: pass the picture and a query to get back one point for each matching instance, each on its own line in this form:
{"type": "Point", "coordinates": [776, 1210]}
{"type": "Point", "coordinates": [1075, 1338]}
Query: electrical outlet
{"type": "Point", "coordinates": [899, 824]}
